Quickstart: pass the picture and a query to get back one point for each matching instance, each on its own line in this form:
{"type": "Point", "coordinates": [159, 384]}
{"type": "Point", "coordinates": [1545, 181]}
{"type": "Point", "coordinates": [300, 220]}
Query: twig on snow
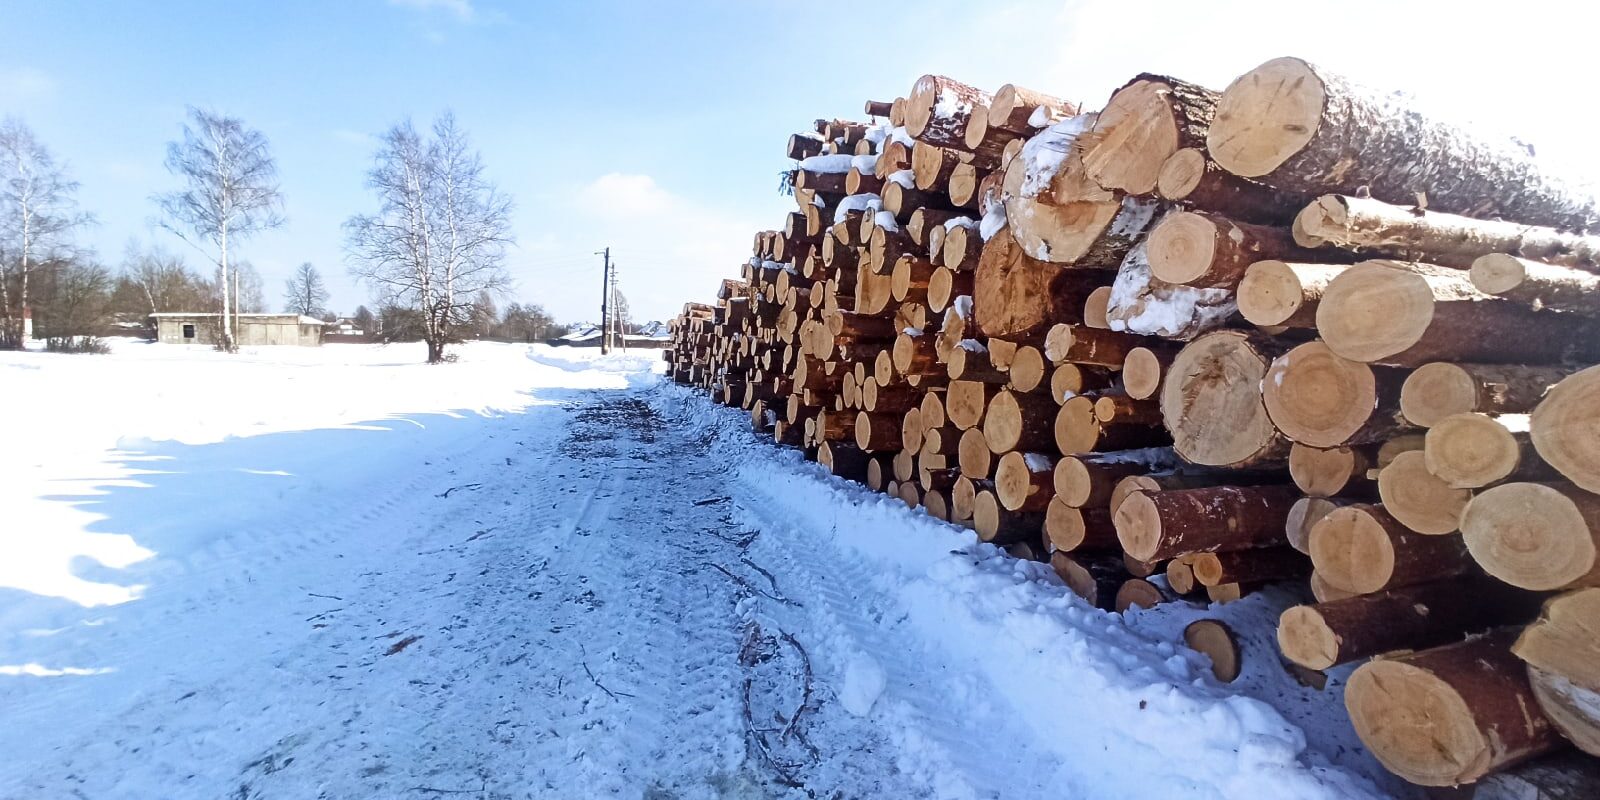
{"type": "Point", "coordinates": [752, 588]}
{"type": "Point", "coordinates": [401, 645]}
{"type": "Point", "coordinates": [758, 568]}
{"type": "Point", "coordinates": [596, 681]}
{"type": "Point", "coordinates": [805, 696]}
{"type": "Point", "coordinates": [784, 777]}
{"type": "Point", "coordinates": [447, 492]}
{"type": "Point", "coordinates": [709, 500]}
{"type": "Point", "coordinates": [325, 596]}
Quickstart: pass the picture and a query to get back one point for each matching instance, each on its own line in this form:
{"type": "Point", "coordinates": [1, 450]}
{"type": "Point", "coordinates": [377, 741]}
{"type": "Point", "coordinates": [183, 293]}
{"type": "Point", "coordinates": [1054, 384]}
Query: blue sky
{"type": "Point", "coordinates": [657, 128]}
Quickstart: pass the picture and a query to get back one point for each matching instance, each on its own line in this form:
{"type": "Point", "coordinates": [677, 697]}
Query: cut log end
{"type": "Point", "coordinates": [1469, 450]}
{"type": "Point", "coordinates": [1435, 391]}
{"type": "Point", "coordinates": [1418, 498]}
{"type": "Point", "coordinates": [1318, 398]}
{"type": "Point", "coordinates": [1138, 524]}
{"type": "Point", "coordinates": [1181, 173]}
{"type": "Point", "coordinates": [1266, 116]}
{"type": "Point", "coordinates": [1216, 640]}
{"type": "Point", "coordinates": [1533, 535]}
{"type": "Point", "coordinates": [1306, 639]}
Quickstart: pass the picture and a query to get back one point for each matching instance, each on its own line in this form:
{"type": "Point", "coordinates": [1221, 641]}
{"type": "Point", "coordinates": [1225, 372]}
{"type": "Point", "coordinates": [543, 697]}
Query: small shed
{"type": "Point", "coordinates": [253, 329]}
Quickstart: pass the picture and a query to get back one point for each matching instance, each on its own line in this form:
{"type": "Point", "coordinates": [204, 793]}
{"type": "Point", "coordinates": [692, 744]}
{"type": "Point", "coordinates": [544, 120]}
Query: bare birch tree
{"type": "Point", "coordinates": [38, 210]}
{"type": "Point", "coordinates": [305, 293]}
{"type": "Point", "coordinates": [230, 192]}
{"type": "Point", "coordinates": [441, 231]}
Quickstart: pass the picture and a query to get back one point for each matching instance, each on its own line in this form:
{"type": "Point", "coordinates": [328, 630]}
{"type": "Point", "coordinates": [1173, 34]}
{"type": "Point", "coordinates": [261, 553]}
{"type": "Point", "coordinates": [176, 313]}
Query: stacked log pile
{"type": "Point", "coordinates": [1197, 343]}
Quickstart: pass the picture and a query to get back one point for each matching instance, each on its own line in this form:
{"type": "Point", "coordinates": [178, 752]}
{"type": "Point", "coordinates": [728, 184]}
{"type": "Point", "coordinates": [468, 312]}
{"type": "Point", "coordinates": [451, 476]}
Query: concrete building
{"type": "Point", "coordinates": [254, 329]}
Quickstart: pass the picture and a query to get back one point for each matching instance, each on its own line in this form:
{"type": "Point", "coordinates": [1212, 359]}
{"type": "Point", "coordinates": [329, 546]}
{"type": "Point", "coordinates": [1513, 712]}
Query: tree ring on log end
{"type": "Point", "coordinates": [1181, 173]}
{"type": "Point", "coordinates": [1435, 391]}
{"type": "Point", "coordinates": [1352, 551]}
{"type": "Point", "coordinates": [1266, 116]}
{"type": "Point", "coordinates": [1416, 724]}
{"type": "Point", "coordinates": [1418, 499]}
{"type": "Point", "coordinates": [1182, 247]}
{"type": "Point", "coordinates": [1138, 524]}
{"type": "Point", "coordinates": [1529, 535]}
{"type": "Point", "coordinates": [1317, 398]}
{"type": "Point", "coordinates": [1136, 124]}
{"type": "Point", "coordinates": [1306, 639]}
{"type": "Point", "coordinates": [1374, 310]}
{"type": "Point", "coordinates": [1565, 428]}
{"type": "Point", "coordinates": [1270, 293]}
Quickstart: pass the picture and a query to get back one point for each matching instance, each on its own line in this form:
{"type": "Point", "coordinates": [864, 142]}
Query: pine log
{"type": "Point", "coordinates": [1088, 479]}
{"type": "Point", "coordinates": [1076, 430]}
{"type": "Point", "coordinates": [1023, 422]}
{"type": "Point", "coordinates": [932, 408]}
{"type": "Point", "coordinates": [1536, 536]}
{"type": "Point", "coordinates": [1417, 498]}
{"type": "Point", "coordinates": [1470, 451]}
{"type": "Point", "coordinates": [1562, 651]}
{"type": "Point", "coordinates": [1361, 548]}
{"type": "Point", "coordinates": [1317, 398]}
{"type": "Point", "coordinates": [1024, 481]}
{"type": "Point", "coordinates": [1069, 380]}
{"type": "Point", "coordinates": [909, 279]}
{"type": "Point", "coordinates": [963, 186]}
{"type": "Point", "coordinates": [1408, 314]}
{"type": "Point", "coordinates": [914, 355]}
{"type": "Point", "coordinates": [1068, 528]}
{"type": "Point", "coordinates": [1142, 369]}
{"type": "Point", "coordinates": [1329, 472]}
{"type": "Point", "coordinates": [844, 460]}
{"type": "Point", "coordinates": [1057, 213]}
{"type": "Point", "coordinates": [803, 145]}
{"type": "Point", "coordinates": [877, 432]}
{"type": "Point", "coordinates": [1209, 250]}
{"type": "Point", "coordinates": [1409, 233]}
{"type": "Point", "coordinates": [1451, 714]}
{"type": "Point", "coordinates": [1028, 370]}
{"type": "Point", "coordinates": [1190, 177]}
{"type": "Point", "coordinates": [1563, 428]}
{"type": "Point", "coordinates": [1137, 568]}
{"type": "Point", "coordinates": [1017, 109]}
{"type": "Point", "coordinates": [1154, 525]}
{"type": "Point", "coordinates": [964, 496]}
{"type": "Point", "coordinates": [1215, 639]}
{"type": "Point", "coordinates": [1423, 615]}
{"type": "Point", "coordinates": [1304, 516]}
{"type": "Point", "coordinates": [1211, 401]}
{"type": "Point", "coordinates": [972, 361]}
{"type": "Point", "coordinates": [1284, 294]}
{"type": "Point", "coordinates": [1259, 565]}
{"type": "Point", "coordinates": [1536, 284]}
{"type": "Point", "coordinates": [1141, 303]}
{"type": "Point", "coordinates": [1181, 578]}
{"type": "Point", "coordinates": [966, 402]}
{"type": "Point", "coordinates": [986, 145]}
{"type": "Point", "coordinates": [1017, 296]}
{"type": "Point", "coordinates": [998, 525]}
{"type": "Point", "coordinates": [1097, 307]}
{"type": "Point", "coordinates": [1188, 478]}
{"type": "Point", "coordinates": [937, 110]}
{"type": "Point", "coordinates": [912, 431]}
{"type": "Point", "coordinates": [1123, 409]}
{"type": "Point", "coordinates": [1304, 129]}
{"type": "Point", "coordinates": [1096, 579]}
{"type": "Point", "coordinates": [945, 286]}
{"type": "Point", "coordinates": [963, 249]}
{"type": "Point", "coordinates": [931, 166]}
{"type": "Point", "coordinates": [1435, 391]}
{"type": "Point", "coordinates": [1079, 344]}
{"type": "Point", "coordinates": [974, 456]}
{"type": "Point", "coordinates": [1145, 122]}
{"type": "Point", "coordinates": [1136, 592]}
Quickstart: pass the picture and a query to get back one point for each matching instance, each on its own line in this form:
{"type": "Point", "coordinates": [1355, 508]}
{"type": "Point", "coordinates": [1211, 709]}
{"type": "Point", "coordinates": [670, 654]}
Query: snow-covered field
{"type": "Point", "coordinates": [340, 573]}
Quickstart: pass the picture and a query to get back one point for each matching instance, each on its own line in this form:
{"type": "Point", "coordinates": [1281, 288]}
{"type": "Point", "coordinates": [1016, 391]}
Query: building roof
{"type": "Point", "coordinates": [300, 319]}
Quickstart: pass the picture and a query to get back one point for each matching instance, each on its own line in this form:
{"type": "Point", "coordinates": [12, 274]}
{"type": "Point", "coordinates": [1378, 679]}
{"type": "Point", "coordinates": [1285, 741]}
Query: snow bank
{"type": "Point", "coordinates": [1114, 703]}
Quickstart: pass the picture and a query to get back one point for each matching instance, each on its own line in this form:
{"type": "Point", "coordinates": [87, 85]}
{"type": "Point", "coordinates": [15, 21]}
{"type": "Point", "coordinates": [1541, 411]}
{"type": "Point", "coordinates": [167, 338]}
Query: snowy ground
{"type": "Point", "coordinates": [536, 573]}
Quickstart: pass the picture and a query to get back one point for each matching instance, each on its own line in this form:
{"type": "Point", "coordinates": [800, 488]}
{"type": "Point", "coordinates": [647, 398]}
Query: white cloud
{"type": "Point", "coordinates": [621, 195]}
{"type": "Point", "coordinates": [23, 84]}
{"type": "Point", "coordinates": [354, 137]}
{"type": "Point", "coordinates": [461, 9]}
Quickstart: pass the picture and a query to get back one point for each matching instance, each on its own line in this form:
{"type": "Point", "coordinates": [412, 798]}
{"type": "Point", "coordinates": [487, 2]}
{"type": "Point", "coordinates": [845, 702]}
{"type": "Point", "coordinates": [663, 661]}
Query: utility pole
{"type": "Point", "coordinates": [620, 319]}
{"type": "Point", "coordinates": [605, 303]}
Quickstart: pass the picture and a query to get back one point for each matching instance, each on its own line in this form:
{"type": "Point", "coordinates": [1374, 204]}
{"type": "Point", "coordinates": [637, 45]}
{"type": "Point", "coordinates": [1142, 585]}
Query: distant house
{"type": "Point", "coordinates": [655, 335]}
{"type": "Point", "coordinates": [254, 329]}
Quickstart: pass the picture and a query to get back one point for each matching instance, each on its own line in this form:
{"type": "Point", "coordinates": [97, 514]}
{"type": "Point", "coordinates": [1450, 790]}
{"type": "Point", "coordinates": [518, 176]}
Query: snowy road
{"type": "Point", "coordinates": [542, 578]}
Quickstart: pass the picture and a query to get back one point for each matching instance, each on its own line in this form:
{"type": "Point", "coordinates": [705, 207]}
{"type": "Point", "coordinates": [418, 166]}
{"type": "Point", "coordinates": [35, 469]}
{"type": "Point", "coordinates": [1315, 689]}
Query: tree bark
{"type": "Point", "coordinates": [1423, 615]}
{"type": "Point", "coordinates": [1016, 296]}
{"type": "Point", "coordinates": [1408, 233]}
{"type": "Point", "coordinates": [997, 525]}
{"type": "Point", "coordinates": [1013, 108]}
{"type": "Point", "coordinates": [1070, 529]}
{"type": "Point", "coordinates": [1096, 579]}
{"type": "Point", "coordinates": [1303, 129]}
{"type": "Point", "coordinates": [1409, 314]}
{"type": "Point", "coordinates": [937, 110]}
{"type": "Point", "coordinates": [1449, 715]}
{"type": "Point", "coordinates": [1190, 177]}
{"type": "Point", "coordinates": [1087, 480]}
{"type": "Point", "coordinates": [1208, 250]}
{"type": "Point", "coordinates": [1154, 525]}
{"type": "Point", "coordinates": [1022, 482]}
{"type": "Point", "coordinates": [1362, 548]}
